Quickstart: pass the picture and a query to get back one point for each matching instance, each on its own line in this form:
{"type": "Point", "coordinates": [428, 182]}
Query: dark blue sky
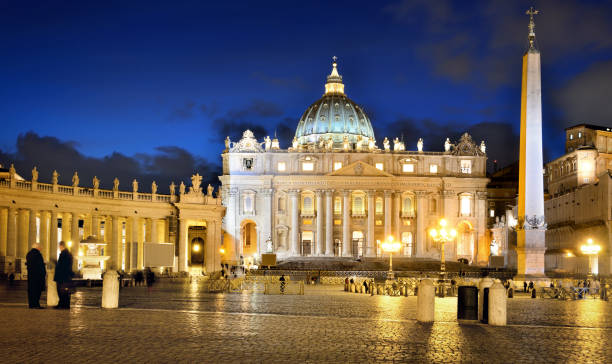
{"type": "Point", "coordinates": [150, 89]}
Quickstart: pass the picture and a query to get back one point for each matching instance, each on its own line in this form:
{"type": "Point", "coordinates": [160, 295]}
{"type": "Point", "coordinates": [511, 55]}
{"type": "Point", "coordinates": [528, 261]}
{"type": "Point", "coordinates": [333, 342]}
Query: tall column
{"type": "Point", "coordinates": [11, 232]}
{"type": "Point", "coordinates": [320, 239]}
{"type": "Point", "coordinates": [22, 234]}
{"type": "Point", "coordinates": [329, 223]}
{"type": "Point", "coordinates": [295, 226]}
{"type": "Point", "coordinates": [66, 237]}
{"type": "Point", "coordinates": [53, 237]}
{"type": "Point", "coordinates": [183, 246]}
{"type": "Point", "coordinates": [346, 224]}
{"type": "Point", "coordinates": [371, 243]}
{"type": "Point", "coordinates": [396, 216]}
{"type": "Point", "coordinates": [95, 225]}
{"type": "Point", "coordinates": [76, 240]}
{"type": "Point", "coordinates": [32, 231]}
{"type": "Point", "coordinates": [154, 234]}
{"type": "Point", "coordinates": [44, 235]}
{"type": "Point", "coordinates": [232, 247]}
{"type": "Point", "coordinates": [421, 231]}
{"type": "Point", "coordinates": [136, 247]}
{"type": "Point", "coordinates": [115, 248]}
{"type": "Point", "coordinates": [266, 222]}
{"type": "Point", "coordinates": [531, 227]}
{"type": "Point", "coordinates": [388, 213]}
{"type": "Point", "coordinates": [3, 231]}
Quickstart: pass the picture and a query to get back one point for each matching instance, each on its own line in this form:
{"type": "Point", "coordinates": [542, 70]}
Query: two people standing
{"type": "Point", "coordinates": [37, 274]}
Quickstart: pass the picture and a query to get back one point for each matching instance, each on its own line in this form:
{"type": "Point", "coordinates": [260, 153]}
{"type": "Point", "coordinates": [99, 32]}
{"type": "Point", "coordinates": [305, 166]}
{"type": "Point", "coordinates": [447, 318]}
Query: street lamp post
{"type": "Point", "coordinates": [390, 246]}
{"type": "Point", "coordinates": [442, 236]}
{"type": "Point", "coordinates": [591, 250]}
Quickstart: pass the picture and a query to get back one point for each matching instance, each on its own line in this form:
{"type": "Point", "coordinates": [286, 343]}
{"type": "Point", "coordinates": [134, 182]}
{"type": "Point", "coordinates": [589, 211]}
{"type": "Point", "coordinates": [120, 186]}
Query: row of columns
{"type": "Point", "coordinates": [324, 242]}
{"type": "Point", "coordinates": [18, 232]}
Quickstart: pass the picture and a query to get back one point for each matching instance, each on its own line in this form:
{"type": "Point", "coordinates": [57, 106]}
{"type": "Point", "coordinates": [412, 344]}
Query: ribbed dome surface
{"type": "Point", "coordinates": [333, 115]}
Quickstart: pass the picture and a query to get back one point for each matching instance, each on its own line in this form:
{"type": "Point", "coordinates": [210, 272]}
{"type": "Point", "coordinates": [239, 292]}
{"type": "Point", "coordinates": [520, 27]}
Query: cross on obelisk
{"type": "Point", "coordinates": [531, 12]}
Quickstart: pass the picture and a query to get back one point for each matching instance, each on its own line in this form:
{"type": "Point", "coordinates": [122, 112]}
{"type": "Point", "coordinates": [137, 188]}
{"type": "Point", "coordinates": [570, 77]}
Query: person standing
{"type": "Point", "coordinates": [36, 276]}
{"type": "Point", "coordinates": [63, 276]}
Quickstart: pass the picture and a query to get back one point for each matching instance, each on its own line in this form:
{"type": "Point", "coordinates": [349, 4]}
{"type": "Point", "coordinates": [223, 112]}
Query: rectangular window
{"type": "Point", "coordinates": [466, 166]}
{"type": "Point", "coordinates": [407, 167]}
{"type": "Point", "coordinates": [571, 136]}
{"type": "Point", "coordinates": [433, 168]}
{"type": "Point", "coordinates": [281, 167]}
{"type": "Point", "coordinates": [247, 163]}
{"type": "Point", "coordinates": [307, 166]}
{"type": "Point", "coordinates": [380, 166]}
{"type": "Point", "coordinates": [579, 135]}
{"type": "Point", "coordinates": [465, 206]}
{"type": "Point", "coordinates": [491, 213]}
{"type": "Point", "coordinates": [337, 165]}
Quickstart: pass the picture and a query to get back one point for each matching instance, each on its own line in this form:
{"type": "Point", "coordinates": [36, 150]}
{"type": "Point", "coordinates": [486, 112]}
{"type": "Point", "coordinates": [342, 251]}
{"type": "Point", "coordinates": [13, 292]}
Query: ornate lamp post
{"type": "Point", "coordinates": [442, 235]}
{"type": "Point", "coordinates": [591, 250]}
{"type": "Point", "coordinates": [390, 246]}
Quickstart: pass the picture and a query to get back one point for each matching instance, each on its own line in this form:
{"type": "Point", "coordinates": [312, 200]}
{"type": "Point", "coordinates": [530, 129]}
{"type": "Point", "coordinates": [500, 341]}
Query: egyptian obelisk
{"type": "Point", "coordinates": [531, 227]}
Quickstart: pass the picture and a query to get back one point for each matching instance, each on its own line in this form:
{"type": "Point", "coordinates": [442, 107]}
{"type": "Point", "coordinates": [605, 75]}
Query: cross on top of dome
{"type": "Point", "coordinates": [334, 83]}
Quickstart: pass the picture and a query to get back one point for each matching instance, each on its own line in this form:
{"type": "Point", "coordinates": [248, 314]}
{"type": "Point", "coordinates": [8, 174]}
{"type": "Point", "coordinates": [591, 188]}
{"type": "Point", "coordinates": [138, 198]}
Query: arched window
{"type": "Point", "coordinates": [433, 205]}
{"type": "Point", "coordinates": [407, 205]}
{"type": "Point", "coordinates": [281, 204]}
{"type": "Point", "coordinates": [379, 205]}
{"type": "Point", "coordinates": [307, 206]}
{"type": "Point", "coordinates": [358, 207]}
{"type": "Point", "coordinates": [337, 206]}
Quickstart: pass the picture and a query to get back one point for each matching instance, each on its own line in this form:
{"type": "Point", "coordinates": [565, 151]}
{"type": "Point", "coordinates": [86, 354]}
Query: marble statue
{"type": "Point", "coordinates": [96, 183]}
{"type": "Point", "coordinates": [135, 186]}
{"type": "Point", "coordinates": [182, 188]}
{"type": "Point", "coordinates": [267, 142]}
{"type": "Point", "coordinates": [386, 144]}
{"type": "Point", "coordinates": [209, 190]}
{"type": "Point", "coordinates": [116, 184]}
{"type": "Point", "coordinates": [172, 188]}
{"type": "Point", "coordinates": [447, 145]}
{"type": "Point", "coordinates": [420, 145]}
{"type": "Point", "coordinates": [54, 177]}
{"type": "Point", "coordinates": [34, 174]}
{"type": "Point", "coordinates": [75, 179]}
{"type": "Point", "coordinates": [153, 187]}
{"type": "Point", "coordinates": [483, 147]}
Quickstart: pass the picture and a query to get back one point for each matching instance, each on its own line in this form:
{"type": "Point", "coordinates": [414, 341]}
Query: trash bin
{"type": "Point", "coordinates": [467, 303]}
{"type": "Point", "coordinates": [485, 306]}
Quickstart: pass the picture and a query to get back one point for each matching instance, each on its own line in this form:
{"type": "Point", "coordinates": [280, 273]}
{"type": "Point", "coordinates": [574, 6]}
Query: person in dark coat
{"type": "Point", "coordinates": [36, 275]}
{"type": "Point", "coordinates": [63, 276]}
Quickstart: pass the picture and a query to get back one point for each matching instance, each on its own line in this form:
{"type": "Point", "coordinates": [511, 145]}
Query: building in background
{"type": "Point", "coordinates": [337, 191]}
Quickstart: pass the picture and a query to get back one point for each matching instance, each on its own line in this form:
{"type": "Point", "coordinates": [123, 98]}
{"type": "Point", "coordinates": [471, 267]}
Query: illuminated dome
{"type": "Point", "coordinates": [334, 115]}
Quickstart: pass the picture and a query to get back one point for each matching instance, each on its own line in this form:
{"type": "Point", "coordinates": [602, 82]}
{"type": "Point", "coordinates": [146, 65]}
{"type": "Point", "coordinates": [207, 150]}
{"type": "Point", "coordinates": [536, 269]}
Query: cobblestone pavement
{"type": "Point", "coordinates": [177, 323]}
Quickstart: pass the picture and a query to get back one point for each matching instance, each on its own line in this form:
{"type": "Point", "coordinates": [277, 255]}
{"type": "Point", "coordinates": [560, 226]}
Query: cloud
{"type": "Point", "coordinates": [165, 165]}
{"type": "Point", "coordinates": [484, 40]}
{"type": "Point", "coordinates": [586, 97]}
{"type": "Point", "coordinates": [501, 141]}
{"type": "Point", "coordinates": [262, 117]}
{"type": "Point", "coordinates": [183, 112]}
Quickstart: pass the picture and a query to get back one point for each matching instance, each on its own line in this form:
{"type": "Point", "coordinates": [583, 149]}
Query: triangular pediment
{"type": "Point", "coordinates": [360, 169]}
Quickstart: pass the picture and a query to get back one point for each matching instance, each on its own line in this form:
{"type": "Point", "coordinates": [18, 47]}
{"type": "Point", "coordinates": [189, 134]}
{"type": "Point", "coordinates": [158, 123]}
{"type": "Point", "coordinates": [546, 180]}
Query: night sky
{"type": "Point", "coordinates": [149, 90]}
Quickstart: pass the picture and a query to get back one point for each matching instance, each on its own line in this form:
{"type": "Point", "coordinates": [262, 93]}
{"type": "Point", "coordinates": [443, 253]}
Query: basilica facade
{"type": "Point", "coordinates": [338, 192]}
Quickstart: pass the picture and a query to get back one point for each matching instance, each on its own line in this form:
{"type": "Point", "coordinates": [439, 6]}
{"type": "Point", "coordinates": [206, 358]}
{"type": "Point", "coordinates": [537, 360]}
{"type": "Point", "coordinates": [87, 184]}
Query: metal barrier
{"type": "Point", "coordinates": [284, 288]}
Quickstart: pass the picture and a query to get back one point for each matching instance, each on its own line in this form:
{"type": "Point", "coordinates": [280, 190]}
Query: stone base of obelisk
{"type": "Point", "coordinates": [530, 255]}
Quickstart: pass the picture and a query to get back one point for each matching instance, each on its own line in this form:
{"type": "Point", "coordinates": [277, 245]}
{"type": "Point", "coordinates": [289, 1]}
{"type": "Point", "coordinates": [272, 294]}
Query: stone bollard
{"type": "Point", "coordinates": [426, 301]}
{"type": "Point", "coordinates": [484, 283]}
{"type": "Point", "coordinates": [52, 297]}
{"type": "Point", "coordinates": [497, 305]}
{"type": "Point", "coordinates": [110, 290]}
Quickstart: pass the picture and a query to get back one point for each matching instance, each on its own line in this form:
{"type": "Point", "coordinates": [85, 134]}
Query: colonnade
{"type": "Point", "coordinates": [324, 222]}
{"type": "Point", "coordinates": [22, 227]}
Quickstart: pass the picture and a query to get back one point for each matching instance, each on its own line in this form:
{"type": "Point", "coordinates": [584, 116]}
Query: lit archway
{"type": "Point", "coordinates": [249, 237]}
